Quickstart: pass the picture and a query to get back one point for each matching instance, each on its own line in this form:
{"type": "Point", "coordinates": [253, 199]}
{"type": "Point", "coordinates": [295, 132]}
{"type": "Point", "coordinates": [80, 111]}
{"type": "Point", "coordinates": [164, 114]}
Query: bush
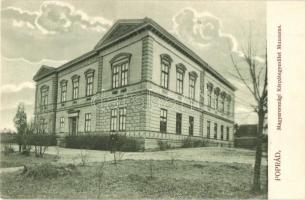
{"type": "Point", "coordinates": [102, 142]}
{"type": "Point", "coordinates": [163, 145]}
{"type": "Point", "coordinates": [188, 143]}
{"type": "Point", "coordinates": [48, 170]}
{"type": "Point", "coordinates": [8, 138]}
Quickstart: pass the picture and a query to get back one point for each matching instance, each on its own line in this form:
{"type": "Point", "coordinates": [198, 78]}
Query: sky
{"type": "Point", "coordinates": [35, 33]}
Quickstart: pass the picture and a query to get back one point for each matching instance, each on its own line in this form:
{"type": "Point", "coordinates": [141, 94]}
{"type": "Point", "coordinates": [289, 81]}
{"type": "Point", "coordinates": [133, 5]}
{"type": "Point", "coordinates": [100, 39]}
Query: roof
{"type": "Point", "coordinates": [123, 28]}
{"type": "Point", "coordinates": [44, 71]}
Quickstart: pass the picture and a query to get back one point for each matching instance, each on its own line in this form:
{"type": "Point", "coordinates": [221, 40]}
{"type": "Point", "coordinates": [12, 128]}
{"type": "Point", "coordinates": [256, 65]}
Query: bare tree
{"type": "Point", "coordinates": [253, 75]}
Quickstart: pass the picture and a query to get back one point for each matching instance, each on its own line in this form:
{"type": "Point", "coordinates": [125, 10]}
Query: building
{"type": "Point", "coordinates": [139, 80]}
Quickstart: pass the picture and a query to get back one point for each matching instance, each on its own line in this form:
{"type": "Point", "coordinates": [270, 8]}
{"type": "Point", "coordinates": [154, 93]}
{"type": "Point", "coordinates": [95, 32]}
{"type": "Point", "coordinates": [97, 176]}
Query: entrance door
{"type": "Point", "coordinates": [73, 125]}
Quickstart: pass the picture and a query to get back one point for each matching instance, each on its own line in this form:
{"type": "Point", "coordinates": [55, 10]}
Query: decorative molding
{"type": "Point", "coordinates": [166, 57]}
{"type": "Point", "coordinates": [120, 56]}
{"type": "Point", "coordinates": [181, 67]}
{"type": "Point", "coordinates": [75, 76]}
{"type": "Point", "coordinates": [89, 72]}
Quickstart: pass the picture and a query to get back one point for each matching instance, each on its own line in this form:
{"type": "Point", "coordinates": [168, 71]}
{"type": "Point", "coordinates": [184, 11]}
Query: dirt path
{"type": "Point", "coordinates": [211, 154]}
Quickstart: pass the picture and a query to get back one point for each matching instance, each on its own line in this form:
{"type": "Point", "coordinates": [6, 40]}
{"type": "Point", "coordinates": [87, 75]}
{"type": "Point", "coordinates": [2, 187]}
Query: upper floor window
{"type": "Point", "coordinates": [192, 84]}
{"type": "Point", "coordinates": [89, 81]}
{"type": "Point", "coordinates": [216, 98]}
{"type": "Point", "coordinates": [75, 87]}
{"type": "Point", "coordinates": [120, 68]}
{"type": "Point", "coordinates": [44, 97]}
{"type": "Point", "coordinates": [165, 69]}
{"type": "Point", "coordinates": [210, 89]}
{"type": "Point", "coordinates": [228, 133]}
{"type": "Point", "coordinates": [180, 70]}
{"type": "Point", "coordinates": [222, 103]}
{"type": "Point", "coordinates": [63, 90]}
{"type": "Point", "coordinates": [163, 120]}
{"type": "Point", "coordinates": [228, 104]}
{"type": "Point", "coordinates": [87, 122]}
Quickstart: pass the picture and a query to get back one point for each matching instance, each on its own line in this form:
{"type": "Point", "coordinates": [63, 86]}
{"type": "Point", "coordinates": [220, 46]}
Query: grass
{"type": "Point", "coordinates": [17, 160]}
{"type": "Point", "coordinates": [132, 179]}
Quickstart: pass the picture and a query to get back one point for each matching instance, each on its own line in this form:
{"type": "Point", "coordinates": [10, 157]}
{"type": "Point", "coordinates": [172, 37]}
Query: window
{"type": "Point", "coordinates": [228, 104]}
{"type": "Point", "coordinates": [208, 129]}
{"type": "Point", "coordinates": [215, 130]}
{"type": "Point", "coordinates": [179, 82]}
{"type": "Point", "coordinates": [221, 132]}
{"type": "Point", "coordinates": [89, 85]}
{"type": "Point", "coordinates": [119, 75]}
{"type": "Point", "coordinates": [178, 123]}
{"type": "Point", "coordinates": [44, 98]}
{"type": "Point", "coordinates": [222, 102]}
{"type": "Point", "coordinates": [216, 98]}
{"type": "Point", "coordinates": [87, 122]}
{"type": "Point", "coordinates": [44, 125]}
{"type": "Point", "coordinates": [124, 74]}
{"type": "Point", "coordinates": [163, 120]}
{"type": "Point", "coordinates": [192, 87]}
{"type": "Point", "coordinates": [209, 98]}
{"type": "Point", "coordinates": [113, 118]}
{"type": "Point", "coordinates": [191, 125]}
{"type": "Point", "coordinates": [62, 122]}
{"type": "Point", "coordinates": [210, 89]}
{"type": "Point", "coordinates": [75, 87]}
{"type": "Point", "coordinates": [164, 74]}
{"type": "Point", "coordinates": [122, 119]}
{"type": "Point", "coordinates": [228, 133]}
{"type": "Point", "coordinates": [63, 94]}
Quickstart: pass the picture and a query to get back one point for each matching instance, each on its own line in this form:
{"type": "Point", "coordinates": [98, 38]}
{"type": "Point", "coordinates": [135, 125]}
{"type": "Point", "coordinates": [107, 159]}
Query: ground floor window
{"type": "Point", "coordinates": [163, 120]}
{"type": "Point", "coordinates": [62, 122]}
{"type": "Point", "coordinates": [87, 122]}
{"type": "Point", "coordinates": [221, 132]}
{"type": "Point", "coordinates": [208, 129]}
{"type": "Point", "coordinates": [228, 132]}
{"type": "Point", "coordinates": [191, 125]}
{"type": "Point", "coordinates": [215, 130]}
{"type": "Point", "coordinates": [178, 123]}
{"type": "Point", "coordinates": [122, 119]}
{"type": "Point", "coordinates": [113, 118]}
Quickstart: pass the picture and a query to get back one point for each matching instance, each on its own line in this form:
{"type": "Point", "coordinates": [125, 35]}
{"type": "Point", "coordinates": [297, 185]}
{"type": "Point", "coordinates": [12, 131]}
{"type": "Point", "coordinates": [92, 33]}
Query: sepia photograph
{"type": "Point", "coordinates": [134, 100]}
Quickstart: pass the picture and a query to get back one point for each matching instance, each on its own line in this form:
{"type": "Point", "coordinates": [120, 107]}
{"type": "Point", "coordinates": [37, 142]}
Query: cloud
{"type": "Point", "coordinates": [54, 17]}
{"type": "Point", "coordinates": [205, 30]}
{"type": "Point", "coordinates": [55, 31]}
{"type": "Point", "coordinates": [16, 88]}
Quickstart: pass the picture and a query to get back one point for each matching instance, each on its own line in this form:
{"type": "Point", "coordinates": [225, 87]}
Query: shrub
{"type": "Point", "coordinates": [8, 138]}
{"type": "Point", "coordinates": [188, 143]}
{"type": "Point", "coordinates": [102, 142]}
{"type": "Point", "coordinates": [48, 170]}
{"type": "Point", "coordinates": [163, 145]}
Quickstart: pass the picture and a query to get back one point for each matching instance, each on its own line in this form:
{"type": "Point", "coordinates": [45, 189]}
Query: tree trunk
{"type": "Point", "coordinates": [258, 154]}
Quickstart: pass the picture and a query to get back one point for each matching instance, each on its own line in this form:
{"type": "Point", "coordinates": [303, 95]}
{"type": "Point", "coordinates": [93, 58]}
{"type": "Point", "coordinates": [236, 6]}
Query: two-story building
{"type": "Point", "coordinates": [140, 81]}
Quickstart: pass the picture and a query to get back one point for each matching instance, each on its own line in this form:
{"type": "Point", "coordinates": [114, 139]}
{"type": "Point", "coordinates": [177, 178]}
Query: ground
{"type": "Point", "coordinates": [182, 173]}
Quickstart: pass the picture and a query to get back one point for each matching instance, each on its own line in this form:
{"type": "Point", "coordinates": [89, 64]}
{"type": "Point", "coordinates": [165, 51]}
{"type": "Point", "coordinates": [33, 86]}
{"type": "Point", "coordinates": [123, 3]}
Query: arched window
{"type": "Point", "coordinates": [216, 98]}
{"type": "Point", "coordinates": [120, 67]}
{"type": "Point", "coordinates": [228, 104]}
{"type": "Point", "coordinates": [166, 61]}
{"type": "Point", "coordinates": [223, 97]}
{"type": "Point", "coordinates": [180, 71]}
{"type": "Point", "coordinates": [192, 84]}
{"type": "Point", "coordinates": [75, 86]}
{"type": "Point", "coordinates": [63, 90]}
{"type": "Point", "coordinates": [89, 73]}
{"type": "Point", "coordinates": [210, 89]}
{"type": "Point", "coordinates": [44, 94]}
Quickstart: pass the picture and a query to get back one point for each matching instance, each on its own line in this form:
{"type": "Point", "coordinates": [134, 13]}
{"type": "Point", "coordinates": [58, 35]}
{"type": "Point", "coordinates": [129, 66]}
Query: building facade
{"type": "Point", "coordinates": [140, 81]}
